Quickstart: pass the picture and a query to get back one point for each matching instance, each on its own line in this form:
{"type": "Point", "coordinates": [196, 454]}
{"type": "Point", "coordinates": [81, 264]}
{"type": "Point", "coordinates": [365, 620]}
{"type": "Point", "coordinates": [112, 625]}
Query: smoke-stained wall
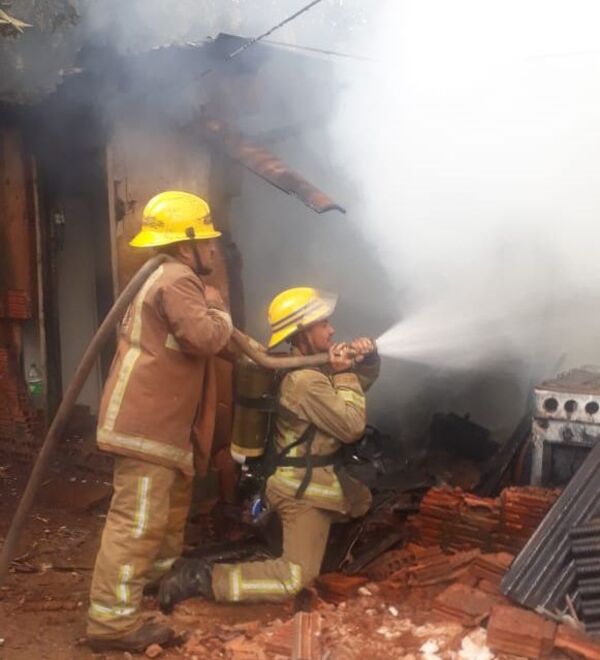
{"type": "Point", "coordinates": [145, 159]}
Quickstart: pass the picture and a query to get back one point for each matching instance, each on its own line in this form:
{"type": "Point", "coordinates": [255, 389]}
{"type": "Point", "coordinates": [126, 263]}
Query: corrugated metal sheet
{"type": "Point", "coordinates": [543, 573]}
{"type": "Point", "coordinates": [266, 165]}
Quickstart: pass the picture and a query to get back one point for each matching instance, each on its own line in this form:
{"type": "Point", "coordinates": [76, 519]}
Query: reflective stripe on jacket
{"type": "Point", "coordinates": [335, 404]}
{"type": "Point", "coordinates": [163, 369]}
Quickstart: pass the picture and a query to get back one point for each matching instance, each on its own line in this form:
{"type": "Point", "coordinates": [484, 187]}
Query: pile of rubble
{"type": "Point", "coordinates": [431, 604]}
{"type": "Point", "coordinates": [437, 597]}
{"type": "Point", "coordinates": [453, 519]}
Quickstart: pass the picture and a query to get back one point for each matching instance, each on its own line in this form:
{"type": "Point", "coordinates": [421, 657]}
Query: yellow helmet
{"type": "Point", "coordinates": [174, 216]}
{"type": "Point", "coordinates": [295, 309]}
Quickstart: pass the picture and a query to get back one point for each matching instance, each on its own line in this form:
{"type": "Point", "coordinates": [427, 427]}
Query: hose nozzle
{"type": "Point", "coordinates": [348, 353]}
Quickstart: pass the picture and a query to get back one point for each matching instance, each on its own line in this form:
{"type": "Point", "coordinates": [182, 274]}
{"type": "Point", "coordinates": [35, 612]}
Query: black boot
{"type": "Point", "coordinates": [151, 588]}
{"type": "Point", "coordinates": [137, 641]}
{"type": "Point", "coordinates": [187, 578]}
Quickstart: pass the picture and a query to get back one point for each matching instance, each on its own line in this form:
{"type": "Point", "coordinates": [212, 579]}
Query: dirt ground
{"type": "Point", "coordinates": [44, 601]}
{"type": "Point", "coordinates": [412, 602]}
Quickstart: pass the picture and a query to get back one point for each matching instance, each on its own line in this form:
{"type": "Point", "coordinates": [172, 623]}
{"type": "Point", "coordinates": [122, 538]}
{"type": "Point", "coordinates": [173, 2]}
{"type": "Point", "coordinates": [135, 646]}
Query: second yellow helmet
{"type": "Point", "coordinates": [295, 309]}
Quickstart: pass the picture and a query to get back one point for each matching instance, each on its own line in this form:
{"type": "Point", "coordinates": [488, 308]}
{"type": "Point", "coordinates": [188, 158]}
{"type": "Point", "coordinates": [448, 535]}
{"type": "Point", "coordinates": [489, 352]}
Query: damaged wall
{"type": "Point", "coordinates": [143, 160]}
{"type": "Point", "coordinates": [17, 272]}
{"type": "Point", "coordinates": [18, 420]}
{"type": "Point", "coordinates": [287, 106]}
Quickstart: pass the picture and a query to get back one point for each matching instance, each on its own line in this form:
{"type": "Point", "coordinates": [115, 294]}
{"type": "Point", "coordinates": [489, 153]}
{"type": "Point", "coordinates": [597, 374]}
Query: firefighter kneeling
{"type": "Point", "coordinates": [318, 410]}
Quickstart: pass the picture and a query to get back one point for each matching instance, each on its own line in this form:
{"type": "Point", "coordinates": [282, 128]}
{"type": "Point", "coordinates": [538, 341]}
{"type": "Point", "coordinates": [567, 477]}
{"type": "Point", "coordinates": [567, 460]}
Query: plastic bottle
{"type": "Point", "coordinates": [34, 381]}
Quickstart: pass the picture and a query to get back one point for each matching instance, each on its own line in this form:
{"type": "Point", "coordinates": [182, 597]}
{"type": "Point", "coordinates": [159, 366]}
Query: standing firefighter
{"type": "Point", "coordinates": [161, 378]}
{"type": "Point", "coordinates": [318, 410]}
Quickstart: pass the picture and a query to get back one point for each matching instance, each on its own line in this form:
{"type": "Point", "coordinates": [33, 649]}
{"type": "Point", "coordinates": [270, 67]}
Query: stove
{"type": "Point", "coordinates": [566, 425]}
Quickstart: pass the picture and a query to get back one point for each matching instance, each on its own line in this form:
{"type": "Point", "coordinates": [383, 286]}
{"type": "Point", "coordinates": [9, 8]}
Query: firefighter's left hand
{"type": "Point", "coordinates": [340, 358]}
{"type": "Point", "coordinates": [363, 347]}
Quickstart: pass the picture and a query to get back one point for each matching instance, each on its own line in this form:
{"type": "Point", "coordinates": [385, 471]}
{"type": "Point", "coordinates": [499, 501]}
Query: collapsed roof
{"type": "Point", "coordinates": [194, 87]}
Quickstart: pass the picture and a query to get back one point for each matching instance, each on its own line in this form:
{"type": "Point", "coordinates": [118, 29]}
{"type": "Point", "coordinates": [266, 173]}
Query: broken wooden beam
{"type": "Point", "coordinates": [265, 164]}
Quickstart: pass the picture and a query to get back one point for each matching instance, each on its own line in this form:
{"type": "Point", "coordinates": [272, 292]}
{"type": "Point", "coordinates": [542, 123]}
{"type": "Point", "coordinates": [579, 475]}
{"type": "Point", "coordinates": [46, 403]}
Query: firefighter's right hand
{"type": "Point", "coordinates": [341, 357]}
{"type": "Point", "coordinates": [213, 297]}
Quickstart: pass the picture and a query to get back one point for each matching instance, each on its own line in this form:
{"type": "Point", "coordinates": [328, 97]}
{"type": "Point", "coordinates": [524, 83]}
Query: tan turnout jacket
{"type": "Point", "coordinates": [335, 404]}
{"type": "Point", "coordinates": [163, 371]}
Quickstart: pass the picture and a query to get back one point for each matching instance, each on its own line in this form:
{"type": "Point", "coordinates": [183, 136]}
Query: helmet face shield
{"type": "Point", "coordinates": [321, 308]}
{"type": "Point", "coordinates": [297, 309]}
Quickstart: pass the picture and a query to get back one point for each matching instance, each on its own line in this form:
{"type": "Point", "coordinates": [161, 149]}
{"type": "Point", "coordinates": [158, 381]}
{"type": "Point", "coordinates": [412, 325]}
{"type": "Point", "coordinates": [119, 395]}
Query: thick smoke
{"type": "Point", "coordinates": [138, 25]}
{"type": "Point", "coordinates": [465, 153]}
{"type": "Point", "coordinates": [474, 143]}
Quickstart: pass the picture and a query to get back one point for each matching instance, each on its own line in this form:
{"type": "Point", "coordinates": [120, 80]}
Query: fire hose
{"type": "Point", "coordinates": [254, 350]}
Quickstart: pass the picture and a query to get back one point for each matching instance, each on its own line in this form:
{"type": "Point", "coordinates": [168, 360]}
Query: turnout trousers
{"type": "Point", "coordinates": [305, 534]}
{"type": "Point", "coordinates": [142, 537]}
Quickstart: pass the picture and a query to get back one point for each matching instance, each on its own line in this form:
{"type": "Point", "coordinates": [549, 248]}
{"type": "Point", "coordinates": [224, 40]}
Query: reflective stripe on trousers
{"type": "Point", "coordinates": [163, 565]}
{"type": "Point", "coordinates": [142, 508]}
{"type": "Point", "coordinates": [267, 587]}
{"type": "Point", "coordinates": [142, 535]}
{"type": "Point", "coordinates": [110, 613]}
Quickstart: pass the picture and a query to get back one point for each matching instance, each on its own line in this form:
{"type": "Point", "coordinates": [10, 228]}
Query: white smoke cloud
{"type": "Point", "coordinates": [469, 164]}
{"type": "Point", "coordinates": [474, 143]}
{"type": "Point", "coordinates": [138, 25]}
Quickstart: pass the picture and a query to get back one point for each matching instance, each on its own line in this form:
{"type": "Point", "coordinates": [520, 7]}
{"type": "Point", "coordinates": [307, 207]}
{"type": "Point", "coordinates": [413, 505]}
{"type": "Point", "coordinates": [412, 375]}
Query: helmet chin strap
{"type": "Point", "coordinates": [307, 347]}
{"type": "Point", "coordinates": [200, 268]}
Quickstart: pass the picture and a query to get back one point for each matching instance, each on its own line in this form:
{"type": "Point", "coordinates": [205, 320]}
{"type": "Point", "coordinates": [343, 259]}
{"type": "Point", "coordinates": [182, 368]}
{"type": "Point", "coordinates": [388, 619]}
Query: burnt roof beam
{"type": "Point", "coordinates": [265, 164]}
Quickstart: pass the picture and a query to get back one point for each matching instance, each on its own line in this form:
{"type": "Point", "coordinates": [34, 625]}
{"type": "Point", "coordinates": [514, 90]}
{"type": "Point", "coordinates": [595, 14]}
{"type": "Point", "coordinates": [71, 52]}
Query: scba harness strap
{"type": "Point", "coordinates": [274, 458]}
{"type": "Point", "coordinates": [309, 460]}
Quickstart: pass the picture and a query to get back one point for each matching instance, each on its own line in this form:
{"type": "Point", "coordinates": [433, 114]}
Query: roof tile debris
{"type": "Point", "coordinates": [353, 619]}
{"type": "Point", "coordinates": [526, 634]}
{"type": "Point", "coordinates": [453, 519]}
{"type": "Point", "coordinates": [419, 600]}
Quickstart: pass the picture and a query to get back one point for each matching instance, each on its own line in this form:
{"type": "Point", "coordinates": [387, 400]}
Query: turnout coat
{"type": "Point", "coordinates": [163, 375]}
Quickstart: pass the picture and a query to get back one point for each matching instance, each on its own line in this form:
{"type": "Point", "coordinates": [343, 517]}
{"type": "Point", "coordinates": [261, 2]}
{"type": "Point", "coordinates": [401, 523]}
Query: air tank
{"type": "Point", "coordinates": [254, 405]}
